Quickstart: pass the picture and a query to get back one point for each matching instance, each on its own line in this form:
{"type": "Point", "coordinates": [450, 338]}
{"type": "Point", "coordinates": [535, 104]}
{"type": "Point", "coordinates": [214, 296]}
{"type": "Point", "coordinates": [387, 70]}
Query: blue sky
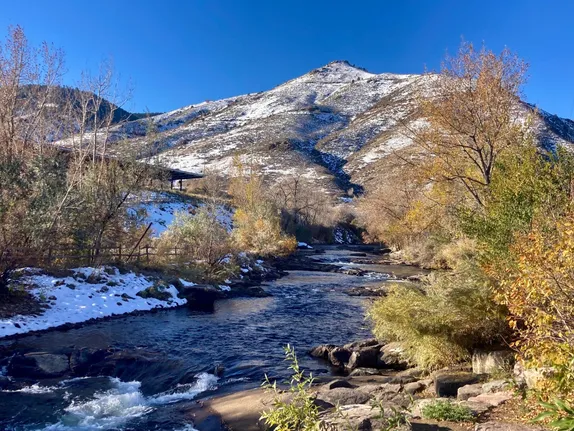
{"type": "Point", "coordinates": [177, 53]}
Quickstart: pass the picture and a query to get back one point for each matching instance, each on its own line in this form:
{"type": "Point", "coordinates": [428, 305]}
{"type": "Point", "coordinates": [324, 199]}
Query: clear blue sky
{"type": "Point", "coordinates": [178, 53]}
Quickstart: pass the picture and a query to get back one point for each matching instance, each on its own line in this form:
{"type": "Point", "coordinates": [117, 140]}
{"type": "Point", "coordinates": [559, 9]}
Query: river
{"type": "Point", "coordinates": [244, 337]}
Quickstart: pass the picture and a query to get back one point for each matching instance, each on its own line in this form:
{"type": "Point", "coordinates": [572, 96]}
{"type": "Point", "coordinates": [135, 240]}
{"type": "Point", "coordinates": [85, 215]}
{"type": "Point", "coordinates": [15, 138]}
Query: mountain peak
{"type": "Point", "coordinates": [345, 63]}
{"type": "Point", "coordinates": [341, 70]}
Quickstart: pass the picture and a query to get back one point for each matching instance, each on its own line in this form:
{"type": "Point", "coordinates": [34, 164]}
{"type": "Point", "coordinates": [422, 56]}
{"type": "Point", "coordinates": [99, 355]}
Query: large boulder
{"type": "Point", "coordinates": [531, 377]}
{"type": "Point", "coordinates": [414, 387]}
{"type": "Point", "coordinates": [361, 372]}
{"type": "Point", "coordinates": [408, 376]}
{"type": "Point", "coordinates": [39, 365]}
{"type": "Point", "coordinates": [446, 384]}
{"type": "Point", "coordinates": [322, 351]}
{"type": "Point", "coordinates": [392, 356]}
{"type": "Point", "coordinates": [493, 361]}
{"type": "Point", "coordinates": [356, 345]}
{"type": "Point", "coordinates": [339, 383]}
{"type": "Point", "coordinates": [469, 391]}
{"type": "Point", "coordinates": [495, 386]}
{"type": "Point", "coordinates": [339, 357]}
{"type": "Point", "coordinates": [82, 360]}
{"type": "Point", "coordinates": [344, 396]}
{"type": "Point", "coordinates": [384, 392]}
{"type": "Point", "coordinates": [364, 357]}
{"type": "Point", "coordinates": [201, 297]}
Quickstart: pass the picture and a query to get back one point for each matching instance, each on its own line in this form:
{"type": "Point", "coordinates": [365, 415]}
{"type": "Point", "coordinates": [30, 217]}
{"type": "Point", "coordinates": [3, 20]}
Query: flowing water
{"type": "Point", "coordinates": [246, 336]}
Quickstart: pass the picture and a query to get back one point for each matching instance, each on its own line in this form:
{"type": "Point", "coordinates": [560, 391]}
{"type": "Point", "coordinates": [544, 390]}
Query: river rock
{"type": "Point", "coordinates": [531, 377]}
{"type": "Point", "coordinates": [386, 391]}
{"type": "Point", "coordinates": [39, 365]}
{"type": "Point", "coordinates": [201, 297]}
{"type": "Point", "coordinates": [414, 388]}
{"type": "Point", "coordinates": [489, 362]}
{"type": "Point", "coordinates": [364, 357]}
{"type": "Point", "coordinates": [469, 391]}
{"type": "Point", "coordinates": [339, 356]}
{"type": "Point", "coordinates": [339, 383]}
{"type": "Point", "coordinates": [408, 376]}
{"type": "Point", "coordinates": [344, 396]}
{"type": "Point", "coordinates": [322, 351]}
{"type": "Point", "coordinates": [115, 362]}
{"type": "Point", "coordinates": [367, 291]}
{"type": "Point", "coordinates": [446, 384]}
{"type": "Point", "coordinates": [493, 399]}
{"type": "Point", "coordinates": [360, 372]}
{"type": "Point", "coordinates": [81, 360]}
{"type": "Point", "coordinates": [361, 343]}
{"type": "Point", "coordinates": [495, 386]}
{"type": "Point", "coordinates": [392, 356]}
{"type": "Point", "coordinates": [353, 271]}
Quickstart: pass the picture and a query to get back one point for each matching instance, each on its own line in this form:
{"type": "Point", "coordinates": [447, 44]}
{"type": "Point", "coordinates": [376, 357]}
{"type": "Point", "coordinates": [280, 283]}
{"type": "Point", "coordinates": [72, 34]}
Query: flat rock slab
{"type": "Point", "coordinates": [493, 400]}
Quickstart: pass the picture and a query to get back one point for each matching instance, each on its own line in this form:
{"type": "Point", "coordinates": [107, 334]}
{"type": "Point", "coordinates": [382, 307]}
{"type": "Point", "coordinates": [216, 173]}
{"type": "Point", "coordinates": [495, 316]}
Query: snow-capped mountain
{"type": "Point", "coordinates": [331, 125]}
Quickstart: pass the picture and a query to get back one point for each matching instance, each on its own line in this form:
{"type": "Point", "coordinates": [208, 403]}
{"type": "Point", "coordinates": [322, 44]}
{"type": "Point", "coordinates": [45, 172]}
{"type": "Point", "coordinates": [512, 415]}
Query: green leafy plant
{"type": "Point", "coordinates": [447, 411]}
{"type": "Point", "coordinates": [559, 413]}
{"type": "Point", "coordinates": [394, 417]}
{"type": "Point", "coordinates": [293, 409]}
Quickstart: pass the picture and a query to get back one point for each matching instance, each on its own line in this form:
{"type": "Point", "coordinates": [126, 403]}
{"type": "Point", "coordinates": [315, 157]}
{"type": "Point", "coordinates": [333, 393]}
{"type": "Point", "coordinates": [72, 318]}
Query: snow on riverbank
{"type": "Point", "coordinates": [88, 293]}
{"type": "Point", "coordinates": [160, 209]}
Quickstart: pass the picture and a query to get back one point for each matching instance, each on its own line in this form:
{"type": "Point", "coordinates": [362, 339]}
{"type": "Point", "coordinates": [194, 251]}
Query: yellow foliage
{"type": "Point", "coordinates": [538, 290]}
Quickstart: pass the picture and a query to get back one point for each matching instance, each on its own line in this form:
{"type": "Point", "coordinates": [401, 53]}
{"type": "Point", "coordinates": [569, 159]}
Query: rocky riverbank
{"type": "Point", "coordinates": [387, 393]}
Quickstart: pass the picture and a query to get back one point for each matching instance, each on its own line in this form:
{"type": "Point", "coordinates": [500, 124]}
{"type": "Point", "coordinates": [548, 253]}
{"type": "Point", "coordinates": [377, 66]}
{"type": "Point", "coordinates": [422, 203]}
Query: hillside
{"type": "Point", "coordinates": [61, 96]}
{"type": "Point", "coordinates": [333, 125]}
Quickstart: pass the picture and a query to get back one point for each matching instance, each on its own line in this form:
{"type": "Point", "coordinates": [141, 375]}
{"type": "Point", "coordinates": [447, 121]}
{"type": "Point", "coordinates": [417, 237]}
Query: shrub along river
{"type": "Point", "coordinates": [172, 358]}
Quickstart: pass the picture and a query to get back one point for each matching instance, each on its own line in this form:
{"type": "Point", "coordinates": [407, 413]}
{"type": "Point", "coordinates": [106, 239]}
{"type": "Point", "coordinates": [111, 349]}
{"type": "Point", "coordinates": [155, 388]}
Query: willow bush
{"type": "Point", "coordinates": [440, 323]}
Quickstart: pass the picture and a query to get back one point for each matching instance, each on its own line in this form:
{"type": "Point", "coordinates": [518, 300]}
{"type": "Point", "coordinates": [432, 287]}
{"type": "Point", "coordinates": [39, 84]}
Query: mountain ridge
{"type": "Point", "coordinates": [331, 125]}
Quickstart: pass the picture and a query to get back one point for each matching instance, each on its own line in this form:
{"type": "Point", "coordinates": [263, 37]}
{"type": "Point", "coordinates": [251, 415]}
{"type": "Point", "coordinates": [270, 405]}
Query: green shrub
{"type": "Point", "coordinates": [559, 413]}
{"type": "Point", "coordinates": [156, 291]}
{"type": "Point", "coordinates": [439, 323]}
{"type": "Point", "coordinates": [297, 411]}
{"type": "Point", "coordinates": [197, 240]}
{"type": "Point", "coordinates": [446, 411]}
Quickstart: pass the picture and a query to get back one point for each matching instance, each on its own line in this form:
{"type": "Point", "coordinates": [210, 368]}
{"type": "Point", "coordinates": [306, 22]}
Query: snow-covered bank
{"type": "Point", "coordinates": [160, 209]}
{"type": "Point", "coordinates": [88, 293]}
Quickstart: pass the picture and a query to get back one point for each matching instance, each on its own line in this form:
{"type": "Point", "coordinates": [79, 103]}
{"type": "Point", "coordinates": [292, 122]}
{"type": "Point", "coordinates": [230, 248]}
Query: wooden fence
{"type": "Point", "coordinates": [86, 256]}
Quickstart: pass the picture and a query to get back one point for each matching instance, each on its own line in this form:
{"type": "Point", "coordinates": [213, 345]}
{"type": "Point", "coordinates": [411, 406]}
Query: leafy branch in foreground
{"type": "Point", "coordinates": [559, 413]}
{"type": "Point", "coordinates": [293, 410]}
